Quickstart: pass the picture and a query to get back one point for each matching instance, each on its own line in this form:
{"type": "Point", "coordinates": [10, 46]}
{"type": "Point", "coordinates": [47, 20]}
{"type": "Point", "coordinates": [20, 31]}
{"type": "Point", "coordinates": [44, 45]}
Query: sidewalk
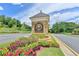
{"type": "Point", "coordinates": [65, 49]}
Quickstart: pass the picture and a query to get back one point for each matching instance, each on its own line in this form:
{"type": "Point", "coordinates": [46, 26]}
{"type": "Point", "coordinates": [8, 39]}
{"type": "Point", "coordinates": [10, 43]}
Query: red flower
{"type": "Point", "coordinates": [9, 54]}
{"type": "Point", "coordinates": [26, 53]}
{"type": "Point", "coordinates": [18, 51]}
{"type": "Point", "coordinates": [31, 50]}
{"type": "Point", "coordinates": [16, 54]}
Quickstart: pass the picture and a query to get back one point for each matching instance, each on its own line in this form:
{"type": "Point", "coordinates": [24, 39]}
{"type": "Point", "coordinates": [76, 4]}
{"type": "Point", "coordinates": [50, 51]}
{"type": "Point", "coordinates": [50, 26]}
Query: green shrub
{"type": "Point", "coordinates": [32, 45]}
{"type": "Point", "coordinates": [41, 36]}
{"type": "Point", "coordinates": [48, 43]}
{"type": "Point", "coordinates": [26, 47]}
{"type": "Point", "coordinates": [53, 43]}
{"type": "Point", "coordinates": [3, 51]}
{"type": "Point", "coordinates": [43, 43]}
{"type": "Point", "coordinates": [76, 31]}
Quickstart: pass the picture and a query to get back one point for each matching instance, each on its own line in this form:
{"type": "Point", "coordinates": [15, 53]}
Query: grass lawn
{"type": "Point", "coordinates": [3, 45]}
{"type": "Point", "coordinates": [51, 52]}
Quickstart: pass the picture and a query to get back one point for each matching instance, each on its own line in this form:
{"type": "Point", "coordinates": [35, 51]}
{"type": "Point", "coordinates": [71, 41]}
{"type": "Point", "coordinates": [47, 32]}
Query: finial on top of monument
{"type": "Point", "coordinates": [40, 11]}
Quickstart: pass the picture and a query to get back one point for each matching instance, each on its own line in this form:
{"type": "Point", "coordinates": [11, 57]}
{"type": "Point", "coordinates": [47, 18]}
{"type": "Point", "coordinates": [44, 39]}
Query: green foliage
{"type": "Point", "coordinates": [76, 31]}
{"type": "Point", "coordinates": [32, 45]}
{"type": "Point", "coordinates": [13, 24]}
{"type": "Point", "coordinates": [3, 45]}
{"type": "Point", "coordinates": [53, 43]}
{"type": "Point", "coordinates": [41, 36]}
{"type": "Point", "coordinates": [63, 27]}
{"type": "Point", "coordinates": [3, 51]}
{"type": "Point", "coordinates": [25, 27]}
{"type": "Point", "coordinates": [8, 30]}
{"type": "Point", "coordinates": [43, 43]}
{"type": "Point", "coordinates": [48, 43]}
{"type": "Point", "coordinates": [26, 47]}
{"type": "Point", "coordinates": [2, 19]}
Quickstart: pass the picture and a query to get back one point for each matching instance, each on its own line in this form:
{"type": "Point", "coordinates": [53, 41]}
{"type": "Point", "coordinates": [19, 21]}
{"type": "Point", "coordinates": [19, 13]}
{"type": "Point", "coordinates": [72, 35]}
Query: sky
{"type": "Point", "coordinates": [58, 12]}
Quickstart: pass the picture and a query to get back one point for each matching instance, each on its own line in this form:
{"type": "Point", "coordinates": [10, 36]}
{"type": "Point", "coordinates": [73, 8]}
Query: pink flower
{"type": "Point", "coordinates": [34, 53]}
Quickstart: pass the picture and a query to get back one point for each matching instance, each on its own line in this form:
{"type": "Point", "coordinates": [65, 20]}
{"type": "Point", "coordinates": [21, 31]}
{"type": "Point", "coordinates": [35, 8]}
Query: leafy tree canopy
{"type": "Point", "coordinates": [63, 27]}
{"type": "Point", "coordinates": [12, 23]}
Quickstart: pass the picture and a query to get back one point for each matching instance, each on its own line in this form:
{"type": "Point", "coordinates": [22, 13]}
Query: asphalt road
{"type": "Point", "coordinates": [11, 37]}
{"type": "Point", "coordinates": [71, 41]}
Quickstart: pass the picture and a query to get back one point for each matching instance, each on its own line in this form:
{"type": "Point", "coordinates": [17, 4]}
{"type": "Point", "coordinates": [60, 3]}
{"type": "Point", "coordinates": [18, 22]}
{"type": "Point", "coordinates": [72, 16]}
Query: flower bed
{"type": "Point", "coordinates": [27, 46]}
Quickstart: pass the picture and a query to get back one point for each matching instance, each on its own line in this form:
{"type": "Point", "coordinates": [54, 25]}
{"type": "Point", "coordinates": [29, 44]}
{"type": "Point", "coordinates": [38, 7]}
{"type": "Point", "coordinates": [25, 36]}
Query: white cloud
{"type": "Point", "coordinates": [1, 8]}
{"type": "Point", "coordinates": [24, 16]}
{"type": "Point", "coordinates": [47, 8]}
{"type": "Point", "coordinates": [66, 16]}
{"type": "Point", "coordinates": [16, 3]}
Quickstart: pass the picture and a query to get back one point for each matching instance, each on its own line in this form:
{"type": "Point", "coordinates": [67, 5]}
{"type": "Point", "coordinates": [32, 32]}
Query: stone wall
{"type": "Point", "coordinates": [43, 20]}
{"type": "Point", "coordinates": [45, 26]}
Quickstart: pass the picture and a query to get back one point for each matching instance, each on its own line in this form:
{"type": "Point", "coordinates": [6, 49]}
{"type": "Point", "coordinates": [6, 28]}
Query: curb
{"type": "Point", "coordinates": [75, 53]}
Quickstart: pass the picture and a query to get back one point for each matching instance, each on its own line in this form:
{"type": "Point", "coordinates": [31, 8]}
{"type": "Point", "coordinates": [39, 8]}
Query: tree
{"type": "Point", "coordinates": [1, 24]}
{"type": "Point", "coordinates": [12, 22]}
{"type": "Point", "coordinates": [63, 27]}
{"type": "Point", "coordinates": [18, 23]}
{"type": "Point", "coordinates": [76, 31]}
{"type": "Point", "coordinates": [25, 27]}
{"type": "Point", "coordinates": [7, 20]}
{"type": "Point", "coordinates": [2, 18]}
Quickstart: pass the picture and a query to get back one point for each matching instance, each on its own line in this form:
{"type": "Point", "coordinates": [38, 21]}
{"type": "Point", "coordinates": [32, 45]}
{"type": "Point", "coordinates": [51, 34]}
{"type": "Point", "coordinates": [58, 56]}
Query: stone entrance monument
{"type": "Point", "coordinates": [40, 23]}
